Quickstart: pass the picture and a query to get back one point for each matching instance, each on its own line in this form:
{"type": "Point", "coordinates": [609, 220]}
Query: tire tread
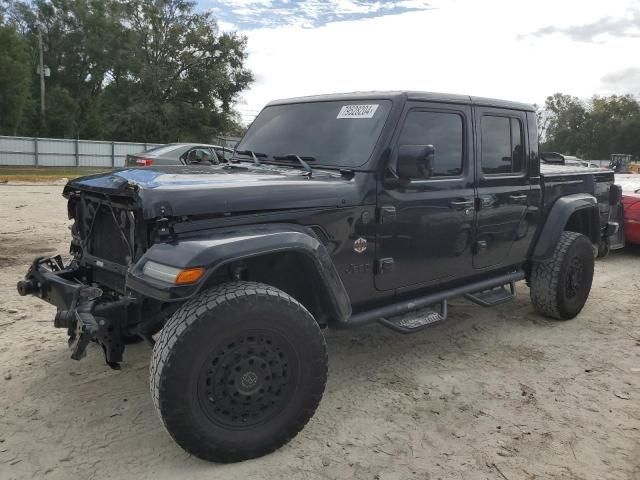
{"type": "Point", "coordinates": [545, 277]}
{"type": "Point", "coordinates": [186, 318]}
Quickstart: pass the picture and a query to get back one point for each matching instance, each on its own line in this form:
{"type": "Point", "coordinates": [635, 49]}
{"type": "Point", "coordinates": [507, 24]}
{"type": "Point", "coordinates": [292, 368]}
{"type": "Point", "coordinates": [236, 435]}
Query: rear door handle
{"type": "Point", "coordinates": [461, 204]}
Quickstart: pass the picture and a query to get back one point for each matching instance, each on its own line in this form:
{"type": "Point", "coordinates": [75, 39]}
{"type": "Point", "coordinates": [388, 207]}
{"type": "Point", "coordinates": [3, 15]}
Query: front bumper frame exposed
{"type": "Point", "coordinates": [81, 307]}
{"type": "Point", "coordinates": [50, 280]}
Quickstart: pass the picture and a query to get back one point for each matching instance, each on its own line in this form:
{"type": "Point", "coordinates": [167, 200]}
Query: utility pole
{"type": "Point", "coordinates": [42, 108]}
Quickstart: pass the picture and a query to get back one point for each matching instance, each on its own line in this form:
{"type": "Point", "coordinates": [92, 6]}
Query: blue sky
{"type": "Point", "coordinates": [248, 14]}
{"type": "Point", "coordinates": [511, 49]}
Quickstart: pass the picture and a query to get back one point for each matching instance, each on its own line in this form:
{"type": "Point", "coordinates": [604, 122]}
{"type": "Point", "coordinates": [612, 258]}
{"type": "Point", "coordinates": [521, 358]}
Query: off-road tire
{"type": "Point", "coordinates": [560, 286]}
{"type": "Point", "coordinates": [273, 358]}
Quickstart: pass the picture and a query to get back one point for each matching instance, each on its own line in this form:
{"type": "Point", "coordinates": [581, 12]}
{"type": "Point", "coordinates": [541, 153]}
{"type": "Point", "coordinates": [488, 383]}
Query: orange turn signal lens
{"type": "Point", "coordinates": [189, 275]}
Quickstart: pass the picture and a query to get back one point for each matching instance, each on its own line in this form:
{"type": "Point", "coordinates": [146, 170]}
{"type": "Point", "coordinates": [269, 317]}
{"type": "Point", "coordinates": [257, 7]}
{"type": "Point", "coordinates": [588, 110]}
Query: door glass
{"type": "Point", "coordinates": [443, 131]}
{"type": "Point", "coordinates": [214, 157]}
{"type": "Point", "coordinates": [516, 145]}
{"type": "Point", "coordinates": [502, 150]}
{"type": "Point", "coordinates": [496, 145]}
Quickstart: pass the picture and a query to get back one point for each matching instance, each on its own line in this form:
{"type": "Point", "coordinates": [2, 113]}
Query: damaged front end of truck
{"type": "Point", "coordinates": [144, 241]}
{"type": "Point", "coordinates": [90, 292]}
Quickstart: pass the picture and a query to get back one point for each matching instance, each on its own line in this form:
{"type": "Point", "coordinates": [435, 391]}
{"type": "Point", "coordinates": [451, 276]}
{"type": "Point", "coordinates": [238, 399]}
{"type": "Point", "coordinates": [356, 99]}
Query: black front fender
{"type": "Point", "coordinates": [215, 249]}
{"type": "Point", "coordinates": [557, 219]}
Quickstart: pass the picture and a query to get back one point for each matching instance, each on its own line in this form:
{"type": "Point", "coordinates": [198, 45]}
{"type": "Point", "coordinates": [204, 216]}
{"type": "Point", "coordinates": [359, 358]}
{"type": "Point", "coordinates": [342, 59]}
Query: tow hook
{"type": "Point", "coordinates": [26, 287]}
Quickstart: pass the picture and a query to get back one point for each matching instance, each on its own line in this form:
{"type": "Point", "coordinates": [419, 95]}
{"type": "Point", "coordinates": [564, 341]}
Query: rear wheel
{"type": "Point", "coordinates": [238, 371]}
{"type": "Point", "coordinates": [560, 286]}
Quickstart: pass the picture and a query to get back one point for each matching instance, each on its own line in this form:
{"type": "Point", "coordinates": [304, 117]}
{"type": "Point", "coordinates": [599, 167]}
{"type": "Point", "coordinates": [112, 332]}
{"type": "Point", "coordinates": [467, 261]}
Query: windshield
{"type": "Point", "coordinates": [340, 133]}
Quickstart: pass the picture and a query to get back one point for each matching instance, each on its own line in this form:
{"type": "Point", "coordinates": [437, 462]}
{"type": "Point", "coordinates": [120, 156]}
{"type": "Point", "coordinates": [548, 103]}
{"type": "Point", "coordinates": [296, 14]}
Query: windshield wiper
{"type": "Point", "coordinates": [255, 155]}
{"type": "Point", "coordinates": [293, 156]}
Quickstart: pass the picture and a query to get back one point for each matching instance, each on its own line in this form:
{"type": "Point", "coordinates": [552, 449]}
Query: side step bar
{"type": "Point", "coordinates": [413, 322]}
{"type": "Point", "coordinates": [493, 296]}
{"type": "Point", "coordinates": [400, 308]}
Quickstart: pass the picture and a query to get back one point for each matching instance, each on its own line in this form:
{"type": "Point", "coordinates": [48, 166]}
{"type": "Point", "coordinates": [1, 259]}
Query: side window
{"type": "Point", "coordinates": [200, 156]}
{"type": "Point", "coordinates": [215, 157]}
{"type": "Point", "coordinates": [517, 146]}
{"type": "Point", "coordinates": [444, 132]}
{"type": "Point", "coordinates": [502, 146]}
{"type": "Point", "coordinates": [189, 155]}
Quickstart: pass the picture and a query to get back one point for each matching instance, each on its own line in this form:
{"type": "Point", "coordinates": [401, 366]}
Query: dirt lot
{"type": "Point", "coordinates": [492, 393]}
{"type": "Point", "coordinates": [50, 175]}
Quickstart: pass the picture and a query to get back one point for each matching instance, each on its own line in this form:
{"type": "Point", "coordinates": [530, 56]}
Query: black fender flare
{"type": "Point", "coordinates": [215, 249]}
{"type": "Point", "coordinates": [557, 219]}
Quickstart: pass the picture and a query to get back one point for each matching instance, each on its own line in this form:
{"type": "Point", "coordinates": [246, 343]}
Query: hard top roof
{"type": "Point", "coordinates": [408, 95]}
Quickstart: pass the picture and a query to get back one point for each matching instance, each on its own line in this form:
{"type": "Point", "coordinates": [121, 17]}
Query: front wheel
{"type": "Point", "coordinates": [560, 286]}
{"type": "Point", "coordinates": [238, 371]}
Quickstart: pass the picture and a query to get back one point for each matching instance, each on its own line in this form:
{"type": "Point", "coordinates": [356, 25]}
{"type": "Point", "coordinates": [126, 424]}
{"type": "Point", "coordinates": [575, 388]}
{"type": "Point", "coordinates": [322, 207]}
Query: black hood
{"type": "Point", "coordinates": [204, 190]}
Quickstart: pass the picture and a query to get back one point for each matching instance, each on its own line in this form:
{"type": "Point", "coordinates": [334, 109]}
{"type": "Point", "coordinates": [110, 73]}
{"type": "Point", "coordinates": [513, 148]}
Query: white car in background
{"type": "Point", "coordinates": [575, 161]}
{"type": "Point", "coordinates": [180, 154]}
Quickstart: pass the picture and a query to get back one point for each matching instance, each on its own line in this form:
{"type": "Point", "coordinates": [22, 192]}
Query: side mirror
{"type": "Point", "coordinates": [415, 161]}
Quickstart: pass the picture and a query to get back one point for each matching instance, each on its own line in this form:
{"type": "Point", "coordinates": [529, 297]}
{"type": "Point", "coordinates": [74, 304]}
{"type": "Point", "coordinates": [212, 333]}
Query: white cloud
{"type": "Point", "coordinates": [461, 46]}
{"type": "Point", "coordinates": [623, 81]}
{"type": "Point", "coordinates": [227, 26]}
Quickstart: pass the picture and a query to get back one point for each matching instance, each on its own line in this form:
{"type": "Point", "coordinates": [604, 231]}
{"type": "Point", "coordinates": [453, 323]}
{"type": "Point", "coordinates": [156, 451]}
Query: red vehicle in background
{"type": "Point", "coordinates": [631, 203]}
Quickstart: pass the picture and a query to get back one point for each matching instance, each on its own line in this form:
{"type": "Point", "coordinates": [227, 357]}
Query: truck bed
{"type": "Point", "coordinates": [551, 169]}
{"type": "Point", "coordinates": [561, 180]}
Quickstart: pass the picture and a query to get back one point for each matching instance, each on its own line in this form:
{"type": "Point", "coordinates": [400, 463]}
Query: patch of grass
{"type": "Point", "coordinates": [44, 174]}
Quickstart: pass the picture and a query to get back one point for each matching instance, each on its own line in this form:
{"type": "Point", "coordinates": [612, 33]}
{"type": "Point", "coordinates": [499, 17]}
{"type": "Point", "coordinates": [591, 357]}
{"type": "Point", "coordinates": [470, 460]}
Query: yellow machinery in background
{"type": "Point", "coordinates": [621, 163]}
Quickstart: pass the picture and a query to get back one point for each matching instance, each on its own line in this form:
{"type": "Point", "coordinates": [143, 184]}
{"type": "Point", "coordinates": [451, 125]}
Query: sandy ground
{"type": "Point", "coordinates": [492, 393]}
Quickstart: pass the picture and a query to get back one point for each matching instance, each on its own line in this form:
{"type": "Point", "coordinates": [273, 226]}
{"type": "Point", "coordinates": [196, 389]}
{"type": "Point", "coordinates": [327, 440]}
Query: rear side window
{"type": "Point", "coordinates": [502, 147]}
{"type": "Point", "coordinates": [443, 131]}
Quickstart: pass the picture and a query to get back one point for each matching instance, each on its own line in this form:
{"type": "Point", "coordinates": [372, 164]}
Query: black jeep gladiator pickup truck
{"type": "Point", "coordinates": [336, 211]}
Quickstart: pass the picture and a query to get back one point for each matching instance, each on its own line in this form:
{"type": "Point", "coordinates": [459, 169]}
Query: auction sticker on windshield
{"type": "Point", "coordinates": [357, 111]}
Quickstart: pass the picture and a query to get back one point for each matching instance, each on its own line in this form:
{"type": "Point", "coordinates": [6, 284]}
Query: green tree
{"type": "Point", "coordinates": [146, 70]}
{"type": "Point", "coordinates": [613, 126]}
{"type": "Point", "coordinates": [565, 127]}
{"type": "Point", "coordinates": [81, 39]}
{"type": "Point", "coordinates": [15, 79]}
{"type": "Point", "coordinates": [180, 76]}
{"type": "Point", "coordinates": [592, 130]}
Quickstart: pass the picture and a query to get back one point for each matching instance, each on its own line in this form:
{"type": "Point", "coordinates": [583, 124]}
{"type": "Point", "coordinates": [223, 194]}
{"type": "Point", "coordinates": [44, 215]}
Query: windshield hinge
{"type": "Point", "coordinates": [165, 228]}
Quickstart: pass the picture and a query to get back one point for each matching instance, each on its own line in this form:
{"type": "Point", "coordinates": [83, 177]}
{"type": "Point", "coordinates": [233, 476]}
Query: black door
{"type": "Point", "coordinates": [425, 225]}
{"type": "Point", "coordinates": [504, 188]}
